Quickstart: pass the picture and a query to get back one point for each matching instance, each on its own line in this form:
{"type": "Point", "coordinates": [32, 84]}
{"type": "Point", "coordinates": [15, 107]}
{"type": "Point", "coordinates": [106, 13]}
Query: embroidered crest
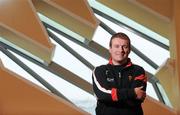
{"type": "Point", "coordinates": [130, 77]}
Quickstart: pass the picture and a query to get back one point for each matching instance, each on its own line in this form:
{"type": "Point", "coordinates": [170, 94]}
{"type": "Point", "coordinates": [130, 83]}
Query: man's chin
{"type": "Point", "coordinates": [121, 60]}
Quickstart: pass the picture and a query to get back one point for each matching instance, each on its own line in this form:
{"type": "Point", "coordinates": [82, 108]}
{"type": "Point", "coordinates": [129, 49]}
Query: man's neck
{"type": "Point", "coordinates": [119, 62]}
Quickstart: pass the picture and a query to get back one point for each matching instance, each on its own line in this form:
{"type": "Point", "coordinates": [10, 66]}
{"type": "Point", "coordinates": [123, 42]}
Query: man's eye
{"type": "Point", "coordinates": [116, 46]}
{"type": "Point", "coordinates": [125, 46]}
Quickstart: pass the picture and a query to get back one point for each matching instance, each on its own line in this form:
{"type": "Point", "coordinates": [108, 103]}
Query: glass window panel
{"type": "Point", "coordinates": [118, 16]}
{"type": "Point", "coordinates": [149, 49]}
{"type": "Point", "coordinates": [76, 95]}
{"type": "Point", "coordinates": [102, 37]}
{"type": "Point", "coordinates": [137, 60]}
{"type": "Point", "coordinates": [151, 91]}
{"type": "Point", "coordinates": [85, 53]}
{"type": "Point", "coordinates": [68, 61]}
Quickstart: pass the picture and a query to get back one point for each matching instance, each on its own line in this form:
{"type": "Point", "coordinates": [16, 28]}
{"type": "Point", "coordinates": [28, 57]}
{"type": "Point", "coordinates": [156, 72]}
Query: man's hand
{"type": "Point", "coordinates": [140, 94]}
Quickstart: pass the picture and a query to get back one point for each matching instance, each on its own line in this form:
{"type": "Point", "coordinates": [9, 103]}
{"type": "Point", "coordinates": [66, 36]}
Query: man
{"type": "Point", "coordinates": [120, 85]}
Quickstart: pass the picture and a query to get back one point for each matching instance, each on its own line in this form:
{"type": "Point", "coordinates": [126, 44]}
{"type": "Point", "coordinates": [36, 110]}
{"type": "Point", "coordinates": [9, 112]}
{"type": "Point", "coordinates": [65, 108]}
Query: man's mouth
{"type": "Point", "coordinates": [121, 53]}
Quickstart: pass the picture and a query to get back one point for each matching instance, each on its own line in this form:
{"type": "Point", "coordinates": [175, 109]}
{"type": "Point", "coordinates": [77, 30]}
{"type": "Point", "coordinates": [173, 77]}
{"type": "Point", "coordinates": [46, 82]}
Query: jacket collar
{"type": "Point", "coordinates": [128, 64]}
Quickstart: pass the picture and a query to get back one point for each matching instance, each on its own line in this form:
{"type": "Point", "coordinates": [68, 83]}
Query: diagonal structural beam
{"type": "Point", "coordinates": [77, 16]}
{"type": "Point", "coordinates": [31, 72]}
{"type": "Point", "coordinates": [29, 37]}
{"type": "Point", "coordinates": [57, 70]}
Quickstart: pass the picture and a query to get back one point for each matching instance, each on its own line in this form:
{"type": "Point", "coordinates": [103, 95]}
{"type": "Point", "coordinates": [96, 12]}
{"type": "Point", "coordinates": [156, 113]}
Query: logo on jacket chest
{"type": "Point", "coordinates": [110, 79]}
{"type": "Point", "coordinates": [130, 77]}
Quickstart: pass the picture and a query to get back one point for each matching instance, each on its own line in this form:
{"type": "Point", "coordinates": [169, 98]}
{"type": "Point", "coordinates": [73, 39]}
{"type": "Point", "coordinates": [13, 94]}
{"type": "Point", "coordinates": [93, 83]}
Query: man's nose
{"type": "Point", "coordinates": [121, 48]}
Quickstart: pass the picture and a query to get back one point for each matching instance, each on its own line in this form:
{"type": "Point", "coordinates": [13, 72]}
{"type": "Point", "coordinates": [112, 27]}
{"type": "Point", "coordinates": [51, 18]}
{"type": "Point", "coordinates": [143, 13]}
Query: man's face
{"type": "Point", "coordinates": [119, 51]}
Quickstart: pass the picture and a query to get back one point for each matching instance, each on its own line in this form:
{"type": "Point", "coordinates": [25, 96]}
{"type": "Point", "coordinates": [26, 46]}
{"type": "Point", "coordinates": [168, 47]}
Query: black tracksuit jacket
{"type": "Point", "coordinates": [114, 88]}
